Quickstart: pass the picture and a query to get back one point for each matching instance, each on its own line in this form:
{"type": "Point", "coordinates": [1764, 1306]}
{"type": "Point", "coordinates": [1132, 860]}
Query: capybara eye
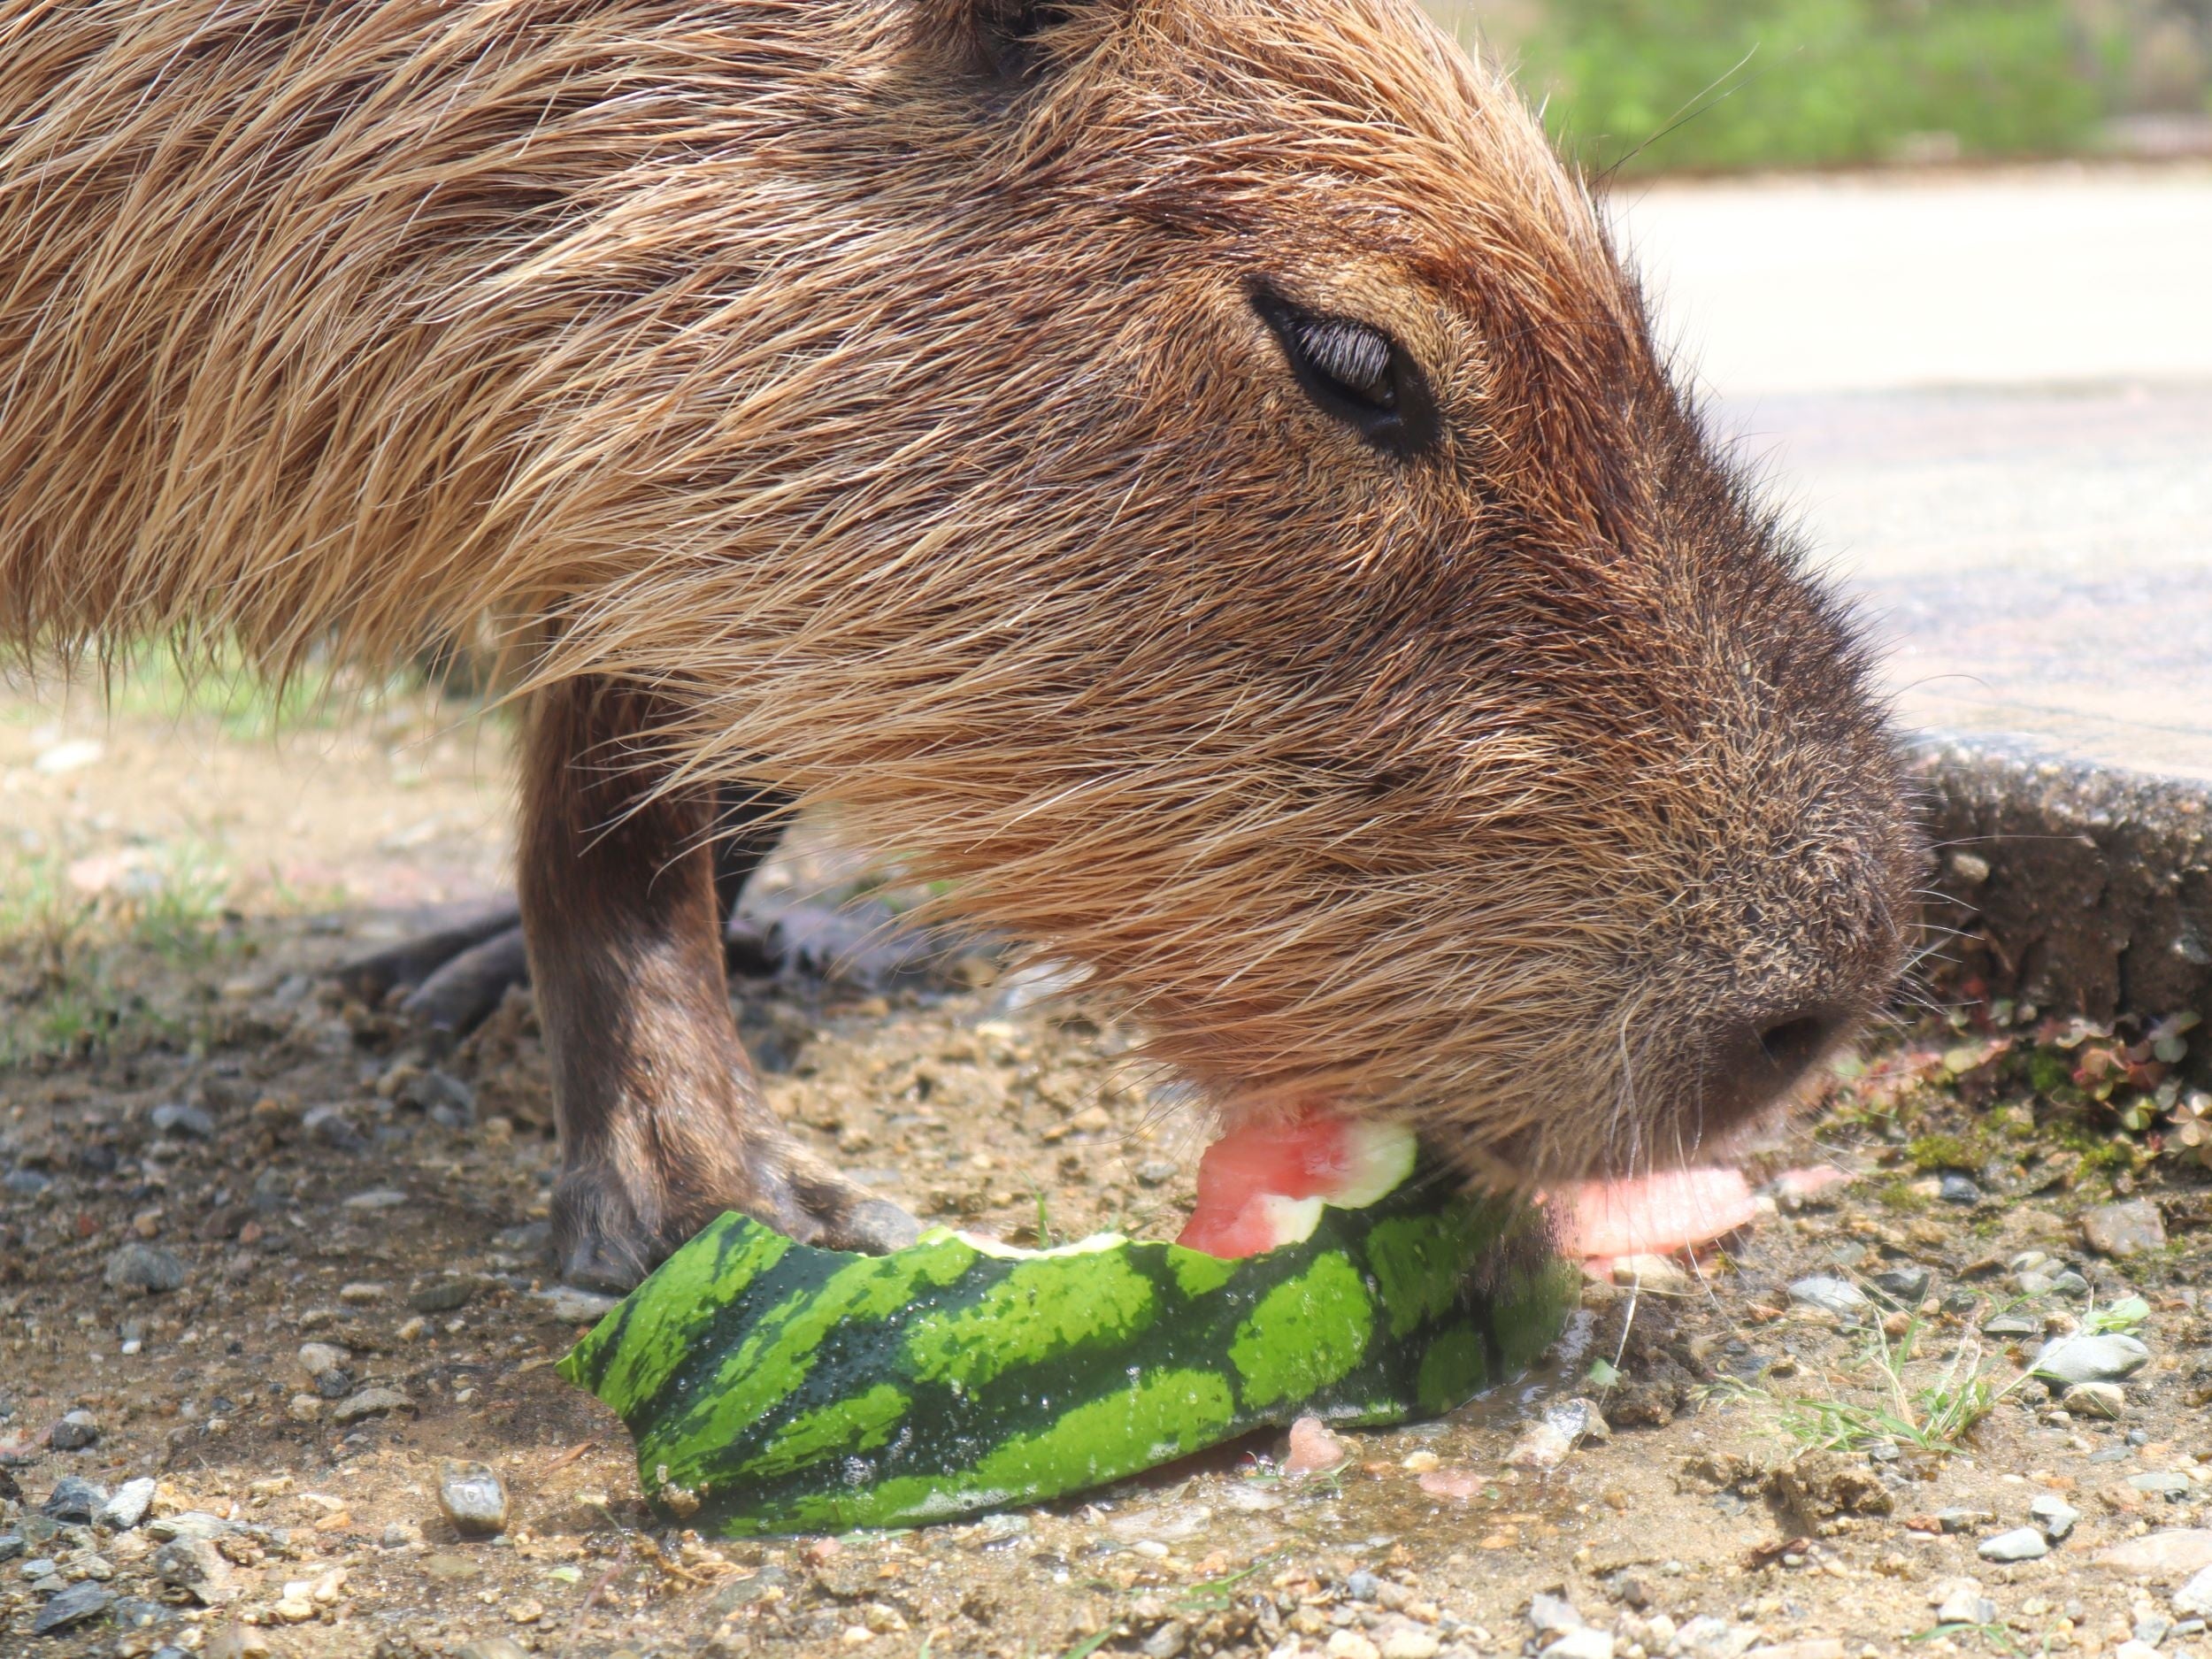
{"type": "Point", "coordinates": [1355, 373]}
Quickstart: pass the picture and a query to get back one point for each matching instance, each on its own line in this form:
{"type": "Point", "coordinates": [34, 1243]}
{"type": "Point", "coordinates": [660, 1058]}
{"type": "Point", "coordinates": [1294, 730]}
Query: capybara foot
{"type": "Point", "coordinates": [610, 1231]}
{"type": "Point", "coordinates": [454, 975]}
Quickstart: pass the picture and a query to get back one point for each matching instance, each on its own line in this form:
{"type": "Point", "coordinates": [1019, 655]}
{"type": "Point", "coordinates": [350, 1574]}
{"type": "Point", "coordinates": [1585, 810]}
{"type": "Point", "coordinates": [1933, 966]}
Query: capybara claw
{"type": "Point", "coordinates": [875, 1227]}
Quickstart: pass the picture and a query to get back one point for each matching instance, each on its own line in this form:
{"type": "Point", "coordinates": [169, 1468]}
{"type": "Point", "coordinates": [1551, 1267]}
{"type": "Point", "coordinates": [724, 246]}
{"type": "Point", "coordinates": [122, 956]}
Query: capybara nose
{"type": "Point", "coordinates": [1756, 1061]}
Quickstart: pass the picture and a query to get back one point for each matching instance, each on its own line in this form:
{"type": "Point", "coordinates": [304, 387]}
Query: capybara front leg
{"type": "Point", "coordinates": [661, 1121]}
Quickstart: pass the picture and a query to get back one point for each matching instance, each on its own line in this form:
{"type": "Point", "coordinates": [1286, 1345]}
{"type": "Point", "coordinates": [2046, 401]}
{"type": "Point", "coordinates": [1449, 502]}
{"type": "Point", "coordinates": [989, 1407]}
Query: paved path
{"type": "Point", "coordinates": [1989, 400]}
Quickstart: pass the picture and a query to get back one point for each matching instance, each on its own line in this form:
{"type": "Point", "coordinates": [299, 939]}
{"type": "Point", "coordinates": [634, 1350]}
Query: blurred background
{"type": "Point", "coordinates": [1825, 83]}
{"type": "Point", "coordinates": [1944, 268]}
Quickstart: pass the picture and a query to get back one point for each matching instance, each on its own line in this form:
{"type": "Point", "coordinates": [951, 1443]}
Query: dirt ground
{"type": "Point", "coordinates": [185, 1103]}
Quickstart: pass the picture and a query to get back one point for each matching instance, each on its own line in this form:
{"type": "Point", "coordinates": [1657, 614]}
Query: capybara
{"type": "Point", "coordinates": [1190, 475]}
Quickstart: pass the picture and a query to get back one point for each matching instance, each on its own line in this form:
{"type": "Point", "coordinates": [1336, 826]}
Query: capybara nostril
{"type": "Point", "coordinates": [1792, 1045]}
{"type": "Point", "coordinates": [1758, 1061]}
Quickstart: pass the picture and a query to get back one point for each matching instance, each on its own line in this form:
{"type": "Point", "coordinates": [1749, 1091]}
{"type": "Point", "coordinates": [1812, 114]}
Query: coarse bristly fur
{"type": "Point", "coordinates": [879, 383]}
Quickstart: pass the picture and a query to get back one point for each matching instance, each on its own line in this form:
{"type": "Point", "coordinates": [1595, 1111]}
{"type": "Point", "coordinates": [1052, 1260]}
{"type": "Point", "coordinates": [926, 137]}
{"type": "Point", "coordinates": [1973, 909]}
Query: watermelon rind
{"type": "Point", "coordinates": [774, 1387]}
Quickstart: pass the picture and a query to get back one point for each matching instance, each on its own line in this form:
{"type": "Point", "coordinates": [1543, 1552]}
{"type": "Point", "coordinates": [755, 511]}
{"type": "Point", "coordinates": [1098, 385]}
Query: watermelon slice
{"type": "Point", "coordinates": [770, 1386]}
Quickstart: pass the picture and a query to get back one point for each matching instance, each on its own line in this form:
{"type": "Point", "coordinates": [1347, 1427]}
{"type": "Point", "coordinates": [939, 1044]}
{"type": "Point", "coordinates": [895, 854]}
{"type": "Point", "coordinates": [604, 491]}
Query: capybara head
{"type": "Point", "coordinates": [1189, 473]}
{"type": "Point", "coordinates": [1205, 485]}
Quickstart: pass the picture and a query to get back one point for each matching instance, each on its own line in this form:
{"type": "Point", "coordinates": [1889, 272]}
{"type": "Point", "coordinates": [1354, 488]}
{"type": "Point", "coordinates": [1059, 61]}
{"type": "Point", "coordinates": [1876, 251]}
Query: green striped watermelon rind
{"type": "Point", "coordinates": [773, 1388]}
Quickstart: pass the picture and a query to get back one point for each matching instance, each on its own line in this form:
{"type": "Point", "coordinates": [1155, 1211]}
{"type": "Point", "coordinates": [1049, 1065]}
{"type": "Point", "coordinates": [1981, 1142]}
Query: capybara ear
{"type": "Point", "coordinates": [999, 37]}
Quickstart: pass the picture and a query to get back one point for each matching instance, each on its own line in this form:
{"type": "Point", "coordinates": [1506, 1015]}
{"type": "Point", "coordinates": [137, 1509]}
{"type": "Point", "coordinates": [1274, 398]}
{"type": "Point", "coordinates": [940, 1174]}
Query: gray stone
{"type": "Point", "coordinates": [1581, 1644]}
{"type": "Point", "coordinates": [2011, 1324]}
{"type": "Point", "coordinates": [1167, 1641]}
{"type": "Point", "coordinates": [473, 1500]}
{"type": "Point", "coordinates": [379, 1198]}
{"type": "Point", "coordinates": [2124, 1228]}
{"type": "Point", "coordinates": [11, 1546]}
{"type": "Point", "coordinates": [2070, 1284]}
{"type": "Point", "coordinates": [369, 1402]}
{"type": "Point", "coordinates": [73, 1502]}
{"type": "Point", "coordinates": [1905, 1286]}
{"type": "Point", "coordinates": [1361, 1585]}
{"type": "Point", "coordinates": [39, 1567]}
{"type": "Point", "coordinates": [2169, 1484]}
{"type": "Point", "coordinates": [2080, 1359]}
{"type": "Point", "coordinates": [2193, 1600]}
{"type": "Point", "coordinates": [189, 1524]}
{"type": "Point", "coordinates": [128, 1506]}
{"type": "Point", "coordinates": [196, 1567]}
{"type": "Point", "coordinates": [2022, 1543]}
{"type": "Point", "coordinates": [1578, 1419]}
{"type": "Point", "coordinates": [445, 1295]}
{"type": "Point", "coordinates": [2151, 1628]}
{"type": "Point", "coordinates": [173, 1118]}
{"type": "Point", "coordinates": [1836, 1295]}
{"type": "Point", "coordinates": [26, 1183]}
{"type": "Point", "coordinates": [2054, 1516]}
{"type": "Point", "coordinates": [72, 1606]}
{"type": "Point", "coordinates": [573, 1306]}
{"type": "Point", "coordinates": [1157, 1171]}
{"type": "Point", "coordinates": [1954, 1188]}
{"type": "Point", "coordinates": [1548, 1615]}
{"type": "Point", "coordinates": [144, 1268]}
{"type": "Point", "coordinates": [2106, 1399]}
{"type": "Point", "coordinates": [1961, 1601]}
{"type": "Point", "coordinates": [1706, 1637]}
{"type": "Point", "coordinates": [76, 1430]}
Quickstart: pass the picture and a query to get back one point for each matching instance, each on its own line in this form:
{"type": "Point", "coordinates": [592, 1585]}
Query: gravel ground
{"type": "Point", "coordinates": [275, 1344]}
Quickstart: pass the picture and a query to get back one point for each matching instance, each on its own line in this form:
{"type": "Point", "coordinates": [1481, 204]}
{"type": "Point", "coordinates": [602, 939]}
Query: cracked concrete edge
{"type": "Point", "coordinates": [2084, 889]}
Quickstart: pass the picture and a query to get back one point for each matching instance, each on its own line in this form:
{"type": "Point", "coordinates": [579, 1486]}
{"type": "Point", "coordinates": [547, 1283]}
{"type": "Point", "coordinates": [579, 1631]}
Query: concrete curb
{"type": "Point", "coordinates": [2080, 888]}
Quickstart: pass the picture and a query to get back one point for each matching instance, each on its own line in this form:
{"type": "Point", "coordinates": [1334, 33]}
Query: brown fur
{"type": "Point", "coordinates": [874, 387]}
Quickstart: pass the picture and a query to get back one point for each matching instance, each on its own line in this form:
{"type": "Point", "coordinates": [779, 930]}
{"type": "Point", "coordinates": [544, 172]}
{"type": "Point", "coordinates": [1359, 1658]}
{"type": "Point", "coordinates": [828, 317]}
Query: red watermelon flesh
{"type": "Point", "coordinates": [1260, 1186]}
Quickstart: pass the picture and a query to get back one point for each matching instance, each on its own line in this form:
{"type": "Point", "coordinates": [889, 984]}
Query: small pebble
{"type": "Point", "coordinates": [2193, 1600]}
{"type": "Point", "coordinates": [127, 1507]}
{"type": "Point", "coordinates": [2080, 1359]}
{"type": "Point", "coordinates": [444, 1295]}
{"type": "Point", "coordinates": [183, 1121]}
{"type": "Point", "coordinates": [2167, 1484]}
{"type": "Point", "coordinates": [1411, 1643]}
{"type": "Point", "coordinates": [1549, 1615]}
{"type": "Point", "coordinates": [1954, 1188]}
{"type": "Point", "coordinates": [74, 1501]}
{"type": "Point", "coordinates": [473, 1500]}
{"type": "Point", "coordinates": [195, 1566]}
{"type": "Point", "coordinates": [2104, 1400]}
{"type": "Point", "coordinates": [2054, 1516]}
{"type": "Point", "coordinates": [1157, 1173]}
{"type": "Point", "coordinates": [145, 1269]}
{"type": "Point", "coordinates": [369, 1402]}
{"type": "Point", "coordinates": [72, 1606]}
{"type": "Point", "coordinates": [1961, 1601]}
{"type": "Point", "coordinates": [2125, 1229]}
{"type": "Point", "coordinates": [1581, 1644]}
{"type": "Point", "coordinates": [1349, 1644]}
{"type": "Point", "coordinates": [573, 1306]}
{"type": "Point", "coordinates": [1838, 1297]}
{"type": "Point", "coordinates": [1661, 1275]}
{"type": "Point", "coordinates": [363, 1292]}
{"type": "Point", "coordinates": [1906, 1286]}
{"type": "Point", "coordinates": [2022, 1543]}
{"type": "Point", "coordinates": [74, 1432]}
